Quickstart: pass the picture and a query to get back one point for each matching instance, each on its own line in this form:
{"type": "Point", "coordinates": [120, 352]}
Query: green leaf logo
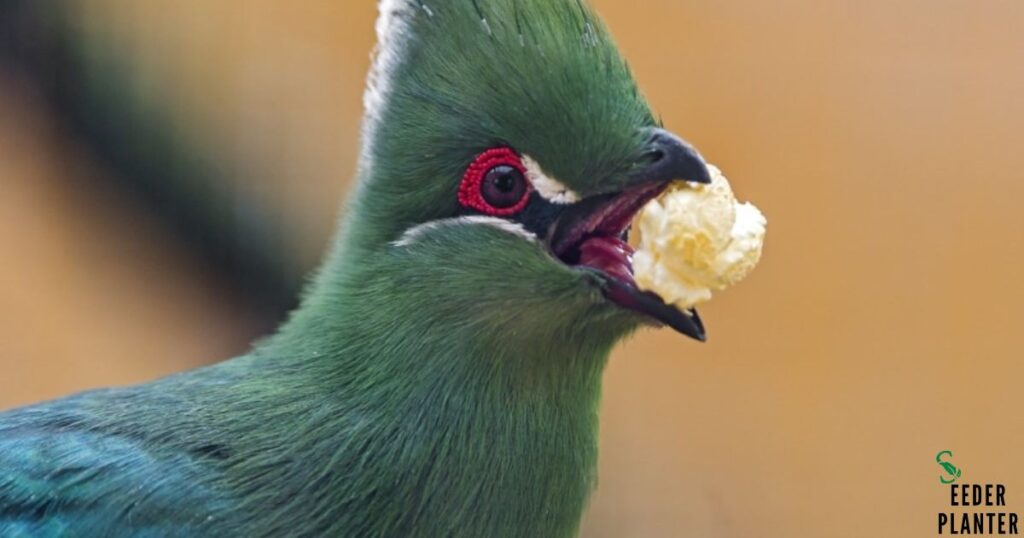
{"type": "Point", "coordinates": [952, 473]}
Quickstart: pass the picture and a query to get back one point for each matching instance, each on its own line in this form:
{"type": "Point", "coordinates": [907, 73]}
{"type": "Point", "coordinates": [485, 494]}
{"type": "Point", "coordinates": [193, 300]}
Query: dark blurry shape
{"type": "Point", "coordinates": [89, 85]}
{"type": "Point", "coordinates": [11, 28]}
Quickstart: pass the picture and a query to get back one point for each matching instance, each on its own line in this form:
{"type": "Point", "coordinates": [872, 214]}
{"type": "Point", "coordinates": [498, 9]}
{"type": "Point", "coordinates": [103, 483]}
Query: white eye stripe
{"type": "Point", "coordinates": [548, 187]}
{"type": "Point", "coordinates": [414, 234]}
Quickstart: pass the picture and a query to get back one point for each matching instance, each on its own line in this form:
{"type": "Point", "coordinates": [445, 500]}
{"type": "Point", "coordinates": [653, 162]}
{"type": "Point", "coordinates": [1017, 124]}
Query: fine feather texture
{"type": "Point", "coordinates": [442, 376]}
{"type": "Point", "coordinates": [61, 478]}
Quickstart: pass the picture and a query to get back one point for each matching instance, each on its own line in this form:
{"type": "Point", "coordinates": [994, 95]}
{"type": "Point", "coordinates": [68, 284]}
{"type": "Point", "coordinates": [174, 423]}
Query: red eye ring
{"type": "Point", "coordinates": [471, 194]}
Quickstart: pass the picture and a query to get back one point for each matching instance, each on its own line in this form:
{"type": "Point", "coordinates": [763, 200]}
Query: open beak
{"type": "Point", "coordinates": [593, 233]}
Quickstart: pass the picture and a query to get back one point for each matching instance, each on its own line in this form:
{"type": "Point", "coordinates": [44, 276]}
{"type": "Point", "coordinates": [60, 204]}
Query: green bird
{"type": "Point", "coordinates": [442, 375]}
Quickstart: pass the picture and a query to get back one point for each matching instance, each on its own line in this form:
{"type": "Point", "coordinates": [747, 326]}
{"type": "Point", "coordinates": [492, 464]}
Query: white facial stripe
{"type": "Point", "coordinates": [414, 234]}
{"type": "Point", "coordinates": [392, 34]}
{"type": "Point", "coordinates": [550, 188]}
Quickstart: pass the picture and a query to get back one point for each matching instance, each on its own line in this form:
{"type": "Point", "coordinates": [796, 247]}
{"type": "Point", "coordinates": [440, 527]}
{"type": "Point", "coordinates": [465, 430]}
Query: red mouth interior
{"type": "Point", "coordinates": [611, 255]}
{"type": "Point", "coordinates": [597, 239]}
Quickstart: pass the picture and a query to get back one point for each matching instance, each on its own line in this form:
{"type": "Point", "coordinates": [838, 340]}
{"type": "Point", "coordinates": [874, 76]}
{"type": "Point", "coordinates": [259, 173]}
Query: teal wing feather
{"type": "Point", "coordinates": [61, 476]}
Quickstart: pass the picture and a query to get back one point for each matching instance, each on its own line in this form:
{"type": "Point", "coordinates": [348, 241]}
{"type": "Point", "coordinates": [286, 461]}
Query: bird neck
{"type": "Point", "coordinates": [493, 431]}
{"type": "Point", "coordinates": [361, 335]}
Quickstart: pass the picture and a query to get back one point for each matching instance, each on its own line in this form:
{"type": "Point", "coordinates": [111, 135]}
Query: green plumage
{"type": "Point", "coordinates": [447, 385]}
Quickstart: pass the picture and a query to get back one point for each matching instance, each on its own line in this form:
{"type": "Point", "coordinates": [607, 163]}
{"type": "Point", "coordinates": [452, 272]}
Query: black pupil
{"type": "Point", "coordinates": [503, 186]}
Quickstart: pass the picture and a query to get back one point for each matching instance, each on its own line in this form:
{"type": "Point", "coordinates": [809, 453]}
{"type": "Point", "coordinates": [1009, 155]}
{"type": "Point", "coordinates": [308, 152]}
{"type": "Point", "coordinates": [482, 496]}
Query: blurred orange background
{"type": "Point", "coordinates": [882, 140]}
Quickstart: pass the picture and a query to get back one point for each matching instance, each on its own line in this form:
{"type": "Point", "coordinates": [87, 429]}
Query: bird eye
{"type": "Point", "coordinates": [495, 184]}
{"type": "Point", "coordinates": [503, 186]}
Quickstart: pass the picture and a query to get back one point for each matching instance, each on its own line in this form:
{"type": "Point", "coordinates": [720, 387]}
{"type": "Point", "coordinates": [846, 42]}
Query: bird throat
{"type": "Point", "coordinates": [461, 433]}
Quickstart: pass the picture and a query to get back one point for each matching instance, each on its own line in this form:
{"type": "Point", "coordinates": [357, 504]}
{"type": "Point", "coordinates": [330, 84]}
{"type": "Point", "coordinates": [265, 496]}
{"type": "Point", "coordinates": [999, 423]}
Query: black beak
{"type": "Point", "coordinates": [629, 296]}
{"type": "Point", "coordinates": [671, 158]}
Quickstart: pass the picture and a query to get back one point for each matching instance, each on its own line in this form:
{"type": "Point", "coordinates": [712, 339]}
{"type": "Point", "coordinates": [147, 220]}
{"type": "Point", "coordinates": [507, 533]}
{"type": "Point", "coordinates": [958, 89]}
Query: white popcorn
{"type": "Point", "coordinates": [695, 239]}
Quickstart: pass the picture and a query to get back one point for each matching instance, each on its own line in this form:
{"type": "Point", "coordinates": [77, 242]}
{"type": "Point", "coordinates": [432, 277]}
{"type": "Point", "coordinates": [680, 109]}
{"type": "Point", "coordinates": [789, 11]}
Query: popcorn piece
{"type": "Point", "coordinates": [695, 239]}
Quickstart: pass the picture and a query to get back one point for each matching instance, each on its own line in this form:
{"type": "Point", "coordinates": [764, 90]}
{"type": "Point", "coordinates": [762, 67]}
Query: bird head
{"type": "Point", "coordinates": [506, 148]}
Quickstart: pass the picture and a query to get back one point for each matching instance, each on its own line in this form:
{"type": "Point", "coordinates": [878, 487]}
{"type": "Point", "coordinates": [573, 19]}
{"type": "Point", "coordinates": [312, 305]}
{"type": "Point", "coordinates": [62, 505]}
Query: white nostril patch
{"type": "Point", "coordinates": [548, 187]}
